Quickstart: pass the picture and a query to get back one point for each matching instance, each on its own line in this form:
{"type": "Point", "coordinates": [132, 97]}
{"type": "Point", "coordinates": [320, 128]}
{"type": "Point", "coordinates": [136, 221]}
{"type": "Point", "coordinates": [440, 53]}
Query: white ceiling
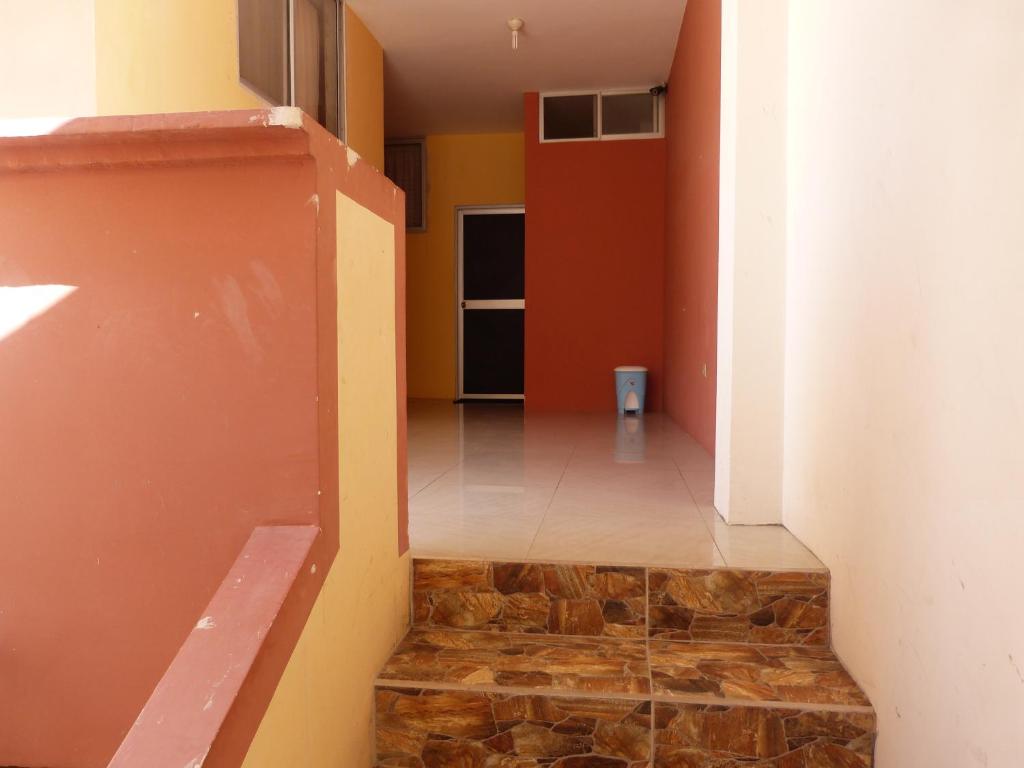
{"type": "Point", "coordinates": [449, 66]}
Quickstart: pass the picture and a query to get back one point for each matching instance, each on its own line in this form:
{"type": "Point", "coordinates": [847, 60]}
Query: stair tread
{"type": "Point", "coordinates": [665, 670]}
{"type": "Point", "coordinates": [800, 675]}
{"type": "Point", "coordinates": [568, 664]}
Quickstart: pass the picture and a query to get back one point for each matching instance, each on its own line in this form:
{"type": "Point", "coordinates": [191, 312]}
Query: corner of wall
{"type": "Point", "coordinates": [692, 187]}
{"type": "Point", "coordinates": [364, 91]}
{"type": "Point", "coordinates": [752, 262]}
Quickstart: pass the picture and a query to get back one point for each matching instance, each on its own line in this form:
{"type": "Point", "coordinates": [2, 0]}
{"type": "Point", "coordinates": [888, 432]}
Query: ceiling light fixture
{"type": "Point", "coordinates": [514, 25]}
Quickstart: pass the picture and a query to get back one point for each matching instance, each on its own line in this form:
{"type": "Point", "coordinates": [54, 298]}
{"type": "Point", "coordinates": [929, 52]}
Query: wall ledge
{"type": "Point", "coordinates": [164, 139]}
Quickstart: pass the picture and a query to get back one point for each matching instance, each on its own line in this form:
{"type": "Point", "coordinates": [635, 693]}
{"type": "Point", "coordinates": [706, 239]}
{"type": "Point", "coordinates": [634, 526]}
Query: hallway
{"type": "Point", "coordinates": [485, 481]}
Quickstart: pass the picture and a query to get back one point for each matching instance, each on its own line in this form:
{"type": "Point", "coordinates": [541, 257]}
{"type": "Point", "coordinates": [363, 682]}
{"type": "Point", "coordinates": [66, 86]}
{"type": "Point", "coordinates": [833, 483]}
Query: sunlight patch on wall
{"type": "Point", "coordinates": [32, 126]}
{"type": "Point", "coordinates": [23, 303]}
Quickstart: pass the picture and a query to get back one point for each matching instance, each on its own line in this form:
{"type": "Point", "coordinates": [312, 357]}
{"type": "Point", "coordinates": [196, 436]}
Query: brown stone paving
{"type": "Point", "coordinates": [428, 728]}
{"type": "Point", "coordinates": [771, 673]}
{"type": "Point", "coordinates": [712, 736]}
{"type": "Point", "coordinates": [713, 605]}
{"type": "Point", "coordinates": [487, 659]}
{"type": "Point", "coordinates": [529, 665]}
{"type": "Point", "coordinates": [734, 606]}
{"type": "Point", "coordinates": [531, 597]}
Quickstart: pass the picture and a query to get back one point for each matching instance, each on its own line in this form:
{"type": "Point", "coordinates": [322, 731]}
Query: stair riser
{"type": "Point", "coordinates": [432, 728]}
{"type": "Point", "coordinates": [429, 728]}
{"type": "Point", "coordinates": [690, 735]}
{"type": "Point", "coordinates": [716, 605]}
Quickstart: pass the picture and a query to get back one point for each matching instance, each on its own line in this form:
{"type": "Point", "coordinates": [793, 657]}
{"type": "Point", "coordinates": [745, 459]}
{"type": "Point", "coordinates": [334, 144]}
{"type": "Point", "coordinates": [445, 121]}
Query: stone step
{"type": "Point", "coordinates": [498, 699]}
{"type": "Point", "coordinates": [720, 604]}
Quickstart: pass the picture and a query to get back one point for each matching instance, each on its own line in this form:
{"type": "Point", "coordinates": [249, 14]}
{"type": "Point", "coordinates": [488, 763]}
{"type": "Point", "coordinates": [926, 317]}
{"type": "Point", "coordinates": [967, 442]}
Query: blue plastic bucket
{"type": "Point", "coordinates": [630, 388]}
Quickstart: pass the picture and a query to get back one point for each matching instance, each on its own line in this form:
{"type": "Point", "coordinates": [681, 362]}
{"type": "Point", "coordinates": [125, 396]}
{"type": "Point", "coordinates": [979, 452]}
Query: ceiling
{"type": "Point", "coordinates": [449, 66]}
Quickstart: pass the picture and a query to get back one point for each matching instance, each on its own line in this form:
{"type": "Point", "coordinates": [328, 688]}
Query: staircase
{"type": "Point", "coordinates": [513, 665]}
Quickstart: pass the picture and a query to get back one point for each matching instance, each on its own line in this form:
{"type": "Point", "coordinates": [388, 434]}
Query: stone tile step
{"type": "Point", "coordinates": [498, 661]}
{"type": "Point", "coordinates": [720, 604]}
{"type": "Point", "coordinates": [514, 700]}
{"type": "Point", "coordinates": [430, 728]}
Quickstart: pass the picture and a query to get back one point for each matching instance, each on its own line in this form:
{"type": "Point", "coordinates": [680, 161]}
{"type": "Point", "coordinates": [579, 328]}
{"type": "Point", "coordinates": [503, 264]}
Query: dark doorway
{"type": "Point", "coordinates": [491, 302]}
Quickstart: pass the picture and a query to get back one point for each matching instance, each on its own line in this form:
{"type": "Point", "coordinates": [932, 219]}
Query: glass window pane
{"type": "Point", "coordinates": [263, 47]}
{"type": "Point", "coordinates": [624, 113]}
{"type": "Point", "coordinates": [570, 117]}
{"type": "Point", "coordinates": [493, 245]}
{"type": "Point", "coordinates": [316, 60]}
{"type": "Point", "coordinates": [492, 351]}
{"type": "Point", "coordinates": [403, 164]}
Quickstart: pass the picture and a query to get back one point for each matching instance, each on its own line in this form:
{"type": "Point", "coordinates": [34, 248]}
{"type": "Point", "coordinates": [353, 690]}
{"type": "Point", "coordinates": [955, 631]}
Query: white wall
{"type": "Point", "coordinates": [904, 410]}
{"type": "Point", "coordinates": [751, 266]}
{"type": "Point", "coordinates": [47, 58]}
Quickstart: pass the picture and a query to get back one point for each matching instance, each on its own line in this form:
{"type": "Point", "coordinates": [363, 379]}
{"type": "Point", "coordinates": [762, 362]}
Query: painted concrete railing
{"type": "Point", "coordinates": [180, 722]}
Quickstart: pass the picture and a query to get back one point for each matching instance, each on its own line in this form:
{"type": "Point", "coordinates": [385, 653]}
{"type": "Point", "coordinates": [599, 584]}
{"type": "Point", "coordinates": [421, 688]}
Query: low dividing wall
{"type": "Point", "coordinates": [194, 308]}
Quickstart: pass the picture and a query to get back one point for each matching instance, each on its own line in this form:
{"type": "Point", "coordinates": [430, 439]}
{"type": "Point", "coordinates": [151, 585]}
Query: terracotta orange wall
{"type": "Point", "coordinates": [151, 419]}
{"type": "Point", "coordinates": [595, 250]}
{"type": "Point", "coordinates": [691, 232]}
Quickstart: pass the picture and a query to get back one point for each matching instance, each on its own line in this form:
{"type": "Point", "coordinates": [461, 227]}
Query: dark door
{"type": "Point", "coordinates": [491, 302]}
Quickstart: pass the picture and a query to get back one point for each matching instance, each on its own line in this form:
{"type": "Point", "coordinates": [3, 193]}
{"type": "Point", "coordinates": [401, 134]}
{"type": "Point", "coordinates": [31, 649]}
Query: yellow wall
{"type": "Point", "coordinates": [462, 169]}
{"type": "Point", "coordinates": [321, 715]}
{"type": "Point", "coordinates": [168, 56]}
{"type": "Point", "coordinates": [364, 91]}
{"type": "Point", "coordinates": [182, 56]}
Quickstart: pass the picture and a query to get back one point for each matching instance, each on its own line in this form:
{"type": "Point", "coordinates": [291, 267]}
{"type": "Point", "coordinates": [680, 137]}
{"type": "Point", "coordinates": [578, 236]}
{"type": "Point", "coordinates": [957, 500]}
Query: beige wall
{"type": "Point", "coordinates": [905, 360]}
{"type": "Point", "coordinates": [751, 262]}
{"type": "Point", "coordinates": [462, 169]}
{"type": "Point", "coordinates": [47, 50]}
{"type": "Point", "coordinates": [321, 715]}
{"type": "Point", "coordinates": [168, 56]}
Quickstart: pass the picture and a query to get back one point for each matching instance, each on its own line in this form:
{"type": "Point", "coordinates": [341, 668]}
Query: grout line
{"type": "Point", "coordinates": [638, 696]}
{"type": "Point", "coordinates": [664, 698]}
{"type": "Point", "coordinates": [537, 636]}
{"type": "Point", "coordinates": [514, 690]}
{"type": "Point", "coordinates": [443, 473]}
{"type": "Point", "coordinates": [700, 514]}
{"type": "Point", "coordinates": [551, 501]}
{"type": "Point", "coordinates": [612, 639]}
{"type": "Point", "coordinates": [606, 564]}
{"type": "Point", "coordinates": [647, 647]}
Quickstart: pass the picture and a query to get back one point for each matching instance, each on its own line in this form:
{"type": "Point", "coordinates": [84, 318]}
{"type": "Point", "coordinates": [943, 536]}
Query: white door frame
{"type": "Point", "coordinates": [460, 303]}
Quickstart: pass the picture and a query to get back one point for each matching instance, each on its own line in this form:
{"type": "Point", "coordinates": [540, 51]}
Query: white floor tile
{"type": "Point", "coordinates": [489, 482]}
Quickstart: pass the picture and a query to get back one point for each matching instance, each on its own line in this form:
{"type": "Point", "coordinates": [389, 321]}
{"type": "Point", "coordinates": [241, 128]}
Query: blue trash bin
{"type": "Point", "coordinates": [630, 388]}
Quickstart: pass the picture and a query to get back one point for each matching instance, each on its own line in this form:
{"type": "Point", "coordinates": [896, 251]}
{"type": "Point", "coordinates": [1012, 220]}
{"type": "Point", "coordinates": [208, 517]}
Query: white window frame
{"type": "Point", "coordinates": [659, 116]}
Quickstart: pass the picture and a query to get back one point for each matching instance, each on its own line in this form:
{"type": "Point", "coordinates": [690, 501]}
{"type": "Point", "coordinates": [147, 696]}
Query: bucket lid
{"type": "Point", "coordinates": [631, 369]}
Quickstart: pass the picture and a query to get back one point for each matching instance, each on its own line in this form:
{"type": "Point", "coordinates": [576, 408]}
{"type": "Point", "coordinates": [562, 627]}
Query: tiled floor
{"type": "Point", "coordinates": [488, 482]}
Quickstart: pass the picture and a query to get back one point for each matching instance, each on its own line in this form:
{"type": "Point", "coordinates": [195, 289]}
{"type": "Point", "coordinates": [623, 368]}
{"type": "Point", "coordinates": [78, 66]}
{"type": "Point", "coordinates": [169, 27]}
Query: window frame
{"type": "Point", "coordinates": [421, 141]}
{"type": "Point", "coordinates": [288, 42]}
{"type": "Point", "coordinates": [658, 105]}
{"type": "Point", "coordinates": [290, 64]}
